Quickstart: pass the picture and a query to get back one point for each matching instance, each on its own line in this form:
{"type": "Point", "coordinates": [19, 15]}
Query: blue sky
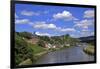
{"type": "Point", "coordinates": [54, 20]}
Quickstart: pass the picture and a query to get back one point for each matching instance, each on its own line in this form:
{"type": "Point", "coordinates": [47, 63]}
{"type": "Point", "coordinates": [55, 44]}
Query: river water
{"type": "Point", "coordinates": [72, 54]}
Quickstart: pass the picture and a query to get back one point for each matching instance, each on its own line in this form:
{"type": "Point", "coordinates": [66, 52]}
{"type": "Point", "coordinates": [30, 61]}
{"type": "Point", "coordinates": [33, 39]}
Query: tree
{"type": "Point", "coordinates": [41, 43]}
{"type": "Point", "coordinates": [22, 50]}
{"type": "Point", "coordinates": [25, 35]}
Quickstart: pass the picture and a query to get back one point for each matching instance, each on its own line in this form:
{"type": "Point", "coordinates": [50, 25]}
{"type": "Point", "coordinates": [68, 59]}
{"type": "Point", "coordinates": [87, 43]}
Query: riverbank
{"type": "Point", "coordinates": [26, 62]}
{"type": "Point", "coordinates": [36, 57]}
{"type": "Point", "coordinates": [89, 50]}
{"type": "Point", "coordinates": [66, 55]}
{"type": "Point", "coordinates": [38, 53]}
{"type": "Point", "coordinates": [57, 49]}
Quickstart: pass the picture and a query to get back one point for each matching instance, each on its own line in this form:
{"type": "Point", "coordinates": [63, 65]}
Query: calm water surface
{"type": "Point", "coordinates": [72, 54]}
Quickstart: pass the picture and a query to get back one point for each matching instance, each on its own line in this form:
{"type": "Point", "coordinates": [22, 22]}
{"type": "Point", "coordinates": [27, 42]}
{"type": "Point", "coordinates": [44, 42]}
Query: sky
{"type": "Point", "coordinates": [46, 20]}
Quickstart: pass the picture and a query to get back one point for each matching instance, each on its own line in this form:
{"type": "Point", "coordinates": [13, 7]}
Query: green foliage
{"type": "Point", "coordinates": [89, 50]}
{"type": "Point", "coordinates": [45, 38]}
{"type": "Point", "coordinates": [36, 48]}
{"type": "Point", "coordinates": [25, 35]}
{"type": "Point", "coordinates": [22, 50]}
{"type": "Point", "coordinates": [58, 40]}
{"type": "Point", "coordinates": [41, 43]}
{"type": "Point", "coordinates": [65, 39]}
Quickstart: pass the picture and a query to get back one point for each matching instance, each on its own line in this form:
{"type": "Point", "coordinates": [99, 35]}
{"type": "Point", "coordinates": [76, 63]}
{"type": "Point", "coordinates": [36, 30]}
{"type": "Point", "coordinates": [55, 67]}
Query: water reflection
{"type": "Point", "coordinates": [73, 54]}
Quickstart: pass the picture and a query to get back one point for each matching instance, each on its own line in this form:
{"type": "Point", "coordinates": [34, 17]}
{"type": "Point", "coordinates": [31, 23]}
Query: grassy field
{"type": "Point", "coordinates": [89, 50]}
{"type": "Point", "coordinates": [37, 52]}
{"type": "Point", "coordinates": [36, 48]}
{"type": "Point", "coordinates": [26, 62]}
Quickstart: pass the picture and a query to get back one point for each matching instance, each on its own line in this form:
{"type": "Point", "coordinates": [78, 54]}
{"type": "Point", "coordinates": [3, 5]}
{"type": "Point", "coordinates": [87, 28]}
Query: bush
{"type": "Point", "coordinates": [25, 35]}
{"type": "Point", "coordinates": [22, 50]}
{"type": "Point", "coordinates": [41, 43]}
{"type": "Point", "coordinates": [89, 50]}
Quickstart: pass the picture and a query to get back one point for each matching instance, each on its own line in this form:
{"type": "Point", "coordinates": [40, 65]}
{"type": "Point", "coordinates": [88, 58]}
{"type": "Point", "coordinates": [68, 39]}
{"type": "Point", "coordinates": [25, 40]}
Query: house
{"type": "Point", "coordinates": [54, 46]}
{"type": "Point", "coordinates": [67, 44]}
{"type": "Point", "coordinates": [48, 45]}
{"type": "Point", "coordinates": [61, 45]}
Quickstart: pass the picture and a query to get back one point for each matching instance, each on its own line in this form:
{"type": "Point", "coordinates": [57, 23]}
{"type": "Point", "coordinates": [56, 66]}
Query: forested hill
{"type": "Point", "coordinates": [58, 40]}
{"type": "Point", "coordinates": [88, 39]}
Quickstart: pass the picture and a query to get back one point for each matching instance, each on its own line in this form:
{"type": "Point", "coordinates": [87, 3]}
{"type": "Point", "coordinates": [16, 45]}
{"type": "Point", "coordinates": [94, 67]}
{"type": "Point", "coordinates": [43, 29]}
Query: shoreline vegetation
{"type": "Point", "coordinates": [30, 47]}
{"type": "Point", "coordinates": [29, 62]}
{"type": "Point", "coordinates": [89, 50]}
{"type": "Point", "coordinates": [39, 55]}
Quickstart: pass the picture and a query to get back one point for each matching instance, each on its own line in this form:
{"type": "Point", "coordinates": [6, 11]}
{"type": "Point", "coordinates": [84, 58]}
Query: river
{"type": "Point", "coordinates": [72, 54]}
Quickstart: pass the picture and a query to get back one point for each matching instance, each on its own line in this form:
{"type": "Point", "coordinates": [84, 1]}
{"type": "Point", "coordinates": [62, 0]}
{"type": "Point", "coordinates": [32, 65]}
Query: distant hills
{"type": "Point", "coordinates": [88, 39]}
{"type": "Point", "coordinates": [59, 40]}
{"type": "Point", "coordinates": [55, 40]}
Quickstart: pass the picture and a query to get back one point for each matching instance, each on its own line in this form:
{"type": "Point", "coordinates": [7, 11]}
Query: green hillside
{"type": "Point", "coordinates": [26, 51]}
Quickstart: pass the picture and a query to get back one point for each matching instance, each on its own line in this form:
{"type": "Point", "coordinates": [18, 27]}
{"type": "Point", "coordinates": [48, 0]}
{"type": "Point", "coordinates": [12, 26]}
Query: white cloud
{"type": "Point", "coordinates": [29, 13]}
{"type": "Point", "coordinates": [86, 32]}
{"type": "Point", "coordinates": [21, 21]}
{"type": "Point", "coordinates": [75, 19]}
{"type": "Point", "coordinates": [66, 15]}
{"type": "Point", "coordinates": [44, 25]}
{"type": "Point", "coordinates": [67, 30]}
{"type": "Point", "coordinates": [75, 35]}
{"type": "Point", "coordinates": [16, 16]}
{"type": "Point", "coordinates": [89, 14]}
{"type": "Point", "coordinates": [92, 33]}
{"type": "Point", "coordinates": [46, 12]}
{"type": "Point", "coordinates": [83, 34]}
{"type": "Point", "coordinates": [84, 23]}
{"type": "Point", "coordinates": [42, 34]}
